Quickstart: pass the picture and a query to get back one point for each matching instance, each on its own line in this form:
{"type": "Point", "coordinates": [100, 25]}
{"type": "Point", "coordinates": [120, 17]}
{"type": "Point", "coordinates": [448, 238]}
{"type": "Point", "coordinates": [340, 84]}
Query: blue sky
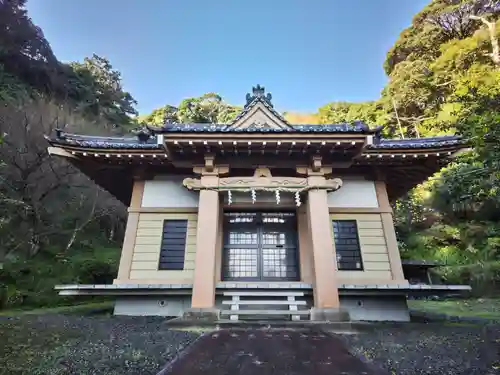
{"type": "Point", "coordinates": [306, 53]}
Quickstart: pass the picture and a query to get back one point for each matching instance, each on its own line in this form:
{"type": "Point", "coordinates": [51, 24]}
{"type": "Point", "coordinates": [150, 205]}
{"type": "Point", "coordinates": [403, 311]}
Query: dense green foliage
{"type": "Point", "coordinates": [29, 69]}
{"type": "Point", "coordinates": [56, 226]}
{"type": "Point", "coordinates": [208, 108]}
{"type": "Point", "coordinates": [444, 78]}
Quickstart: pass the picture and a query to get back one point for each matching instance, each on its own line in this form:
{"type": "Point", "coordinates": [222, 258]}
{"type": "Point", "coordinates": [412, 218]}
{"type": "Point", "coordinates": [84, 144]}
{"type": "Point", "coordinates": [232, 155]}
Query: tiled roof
{"type": "Point", "coordinates": [149, 142]}
{"type": "Point", "coordinates": [356, 127]}
{"type": "Point", "coordinates": [105, 142]}
{"type": "Point", "coordinates": [259, 97]}
{"type": "Point", "coordinates": [418, 143]}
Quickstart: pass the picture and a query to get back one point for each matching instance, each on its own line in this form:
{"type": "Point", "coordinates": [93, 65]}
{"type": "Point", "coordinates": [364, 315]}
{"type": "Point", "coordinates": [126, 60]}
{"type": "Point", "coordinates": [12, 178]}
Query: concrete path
{"type": "Point", "coordinates": [263, 352]}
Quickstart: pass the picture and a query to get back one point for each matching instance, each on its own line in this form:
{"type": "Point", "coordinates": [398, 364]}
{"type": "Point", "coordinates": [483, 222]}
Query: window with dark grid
{"type": "Point", "coordinates": [260, 246]}
{"type": "Point", "coordinates": [173, 245]}
{"type": "Point", "coordinates": [347, 246]}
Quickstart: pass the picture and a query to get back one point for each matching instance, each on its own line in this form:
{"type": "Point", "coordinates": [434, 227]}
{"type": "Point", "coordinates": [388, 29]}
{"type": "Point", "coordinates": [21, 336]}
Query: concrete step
{"type": "Point", "coordinates": [266, 302]}
{"type": "Point", "coordinates": [266, 324]}
{"type": "Point", "coordinates": [264, 312]}
{"type": "Point", "coordinates": [263, 294]}
{"type": "Point", "coordinates": [329, 327]}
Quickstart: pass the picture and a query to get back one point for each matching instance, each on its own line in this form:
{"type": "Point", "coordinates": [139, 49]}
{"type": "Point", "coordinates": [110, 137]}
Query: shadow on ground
{"type": "Point", "coordinates": [112, 345]}
{"type": "Point", "coordinates": [249, 352]}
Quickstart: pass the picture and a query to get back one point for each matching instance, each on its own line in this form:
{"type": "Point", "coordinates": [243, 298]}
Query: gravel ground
{"type": "Point", "coordinates": [443, 348]}
{"type": "Point", "coordinates": [59, 344]}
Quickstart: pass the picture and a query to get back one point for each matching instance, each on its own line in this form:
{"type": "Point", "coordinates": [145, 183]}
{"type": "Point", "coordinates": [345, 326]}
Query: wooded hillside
{"type": "Point", "coordinates": [56, 226]}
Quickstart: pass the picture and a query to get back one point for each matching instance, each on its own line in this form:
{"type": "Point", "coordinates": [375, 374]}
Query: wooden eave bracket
{"type": "Point", "coordinates": [316, 163]}
{"type": "Point", "coordinates": [315, 169]}
{"type": "Point", "coordinates": [209, 163]}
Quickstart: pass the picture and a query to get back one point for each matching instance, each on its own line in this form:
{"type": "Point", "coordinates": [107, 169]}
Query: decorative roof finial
{"type": "Point", "coordinates": [143, 134]}
{"type": "Point", "coordinates": [259, 92]}
{"type": "Point", "coordinates": [60, 133]}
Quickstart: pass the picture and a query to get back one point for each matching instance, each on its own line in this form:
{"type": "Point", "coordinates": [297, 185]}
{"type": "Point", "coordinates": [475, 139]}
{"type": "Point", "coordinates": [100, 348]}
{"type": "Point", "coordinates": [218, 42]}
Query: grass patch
{"type": "Point", "coordinates": [24, 347]}
{"type": "Point", "coordinates": [56, 344]}
{"type": "Point", "coordinates": [80, 309]}
{"type": "Point", "coordinates": [478, 308]}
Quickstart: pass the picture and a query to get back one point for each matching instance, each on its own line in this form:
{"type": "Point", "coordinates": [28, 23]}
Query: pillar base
{"type": "Point", "coordinates": [329, 315]}
{"type": "Point", "coordinates": [201, 314]}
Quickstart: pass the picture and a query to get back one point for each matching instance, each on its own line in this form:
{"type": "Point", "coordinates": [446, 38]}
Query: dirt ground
{"type": "Point", "coordinates": [58, 344]}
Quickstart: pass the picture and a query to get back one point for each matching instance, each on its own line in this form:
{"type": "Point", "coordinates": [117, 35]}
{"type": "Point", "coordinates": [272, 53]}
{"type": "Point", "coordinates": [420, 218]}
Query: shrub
{"type": "Point", "coordinates": [484, 278]}
{"type": "Point", "coordinates": [30, 283]}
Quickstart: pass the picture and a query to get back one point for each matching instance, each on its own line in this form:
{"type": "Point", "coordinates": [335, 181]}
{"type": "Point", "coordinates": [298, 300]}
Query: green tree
{"type": "Point", "coordinates": [444, 77]}
{"type": "Point", "coordinates": [209, 108]}
{"type": "Point", "coordinates": [26, 58]}
{"type": "Point", "coordinates": [98, 90]}
{"type": "Point", "coordinates": [159, 116]}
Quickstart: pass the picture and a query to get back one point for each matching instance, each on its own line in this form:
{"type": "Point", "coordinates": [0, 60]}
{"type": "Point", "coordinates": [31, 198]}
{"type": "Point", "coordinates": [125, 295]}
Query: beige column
{"type": "Point", "coordinates": [219, 245]}
{"type": "Point", "coordinates": [206, 248]}
{"type": "Point", "coordinates": [389, 231]}
{"type": "Point", "coordinates": [305, 251]}
{"type": "Point", "coordinates": [130, 233]}
{"type": "Point", "coordinates": [326, 294]}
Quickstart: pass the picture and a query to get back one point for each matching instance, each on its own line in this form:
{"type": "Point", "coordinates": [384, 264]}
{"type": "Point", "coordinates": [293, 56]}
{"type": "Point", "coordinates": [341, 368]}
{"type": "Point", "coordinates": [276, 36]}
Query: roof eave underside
{"type": "Point", "coordinates": [103, 164]}
{"type": "Point", "coordinates": [117, 181]}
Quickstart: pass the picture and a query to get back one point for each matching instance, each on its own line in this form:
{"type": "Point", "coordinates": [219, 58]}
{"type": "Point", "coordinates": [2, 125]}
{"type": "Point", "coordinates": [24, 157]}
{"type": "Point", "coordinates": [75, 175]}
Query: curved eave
{"type": "Point", "coordinates": [397, 154]}
{"type": "Point", "coordinates": [116, 179]}
{"type": "Point", "coordinates": [101, 143]}
{"type": "Point", "coordinates": [406, 164]}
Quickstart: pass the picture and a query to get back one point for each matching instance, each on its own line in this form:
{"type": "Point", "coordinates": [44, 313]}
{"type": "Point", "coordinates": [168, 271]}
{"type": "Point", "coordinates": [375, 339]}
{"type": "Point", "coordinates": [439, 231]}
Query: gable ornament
{"type": "Point", "coordinates": [259, 92]}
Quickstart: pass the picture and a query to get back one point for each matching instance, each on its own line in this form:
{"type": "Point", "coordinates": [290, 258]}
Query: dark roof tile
{"type": "Point", "coordinates": [131, 143]}
{"type": "Point", "coordinates": [134, 143]}
{"type": "Point", "coordinates": [419, 143]}
{"type": "Point", "coordinates": [357, 127]}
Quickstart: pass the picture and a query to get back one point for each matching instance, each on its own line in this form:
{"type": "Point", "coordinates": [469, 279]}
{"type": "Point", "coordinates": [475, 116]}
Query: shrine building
{"type": "Point", "coordinates": [259, 218]}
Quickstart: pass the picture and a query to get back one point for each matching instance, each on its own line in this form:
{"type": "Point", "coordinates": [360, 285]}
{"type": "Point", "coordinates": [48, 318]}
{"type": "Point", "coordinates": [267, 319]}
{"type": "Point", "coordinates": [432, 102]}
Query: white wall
{"type": "Point", "coordinates": [152, 305]}
{"type": "Point", "coordinates": [376, 308]}
{"type": "Point", "coordinates": [354, 193]}
{"type": "Point", "coordinates": [168, 192]}
{"type": "Point", "coordinates": [262, 197]}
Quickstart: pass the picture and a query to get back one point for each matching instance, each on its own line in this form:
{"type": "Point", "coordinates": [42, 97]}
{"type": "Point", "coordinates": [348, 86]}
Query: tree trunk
{"type": "Point", "coordinates": [495, 49]}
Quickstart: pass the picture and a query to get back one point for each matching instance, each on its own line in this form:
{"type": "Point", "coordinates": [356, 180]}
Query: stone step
{"type": "Point", "coordinates": [266, 302]}
{"type": "Point", "coordinates": [263, 294]}
{"type": "Point", "coordinates": [264, 312]}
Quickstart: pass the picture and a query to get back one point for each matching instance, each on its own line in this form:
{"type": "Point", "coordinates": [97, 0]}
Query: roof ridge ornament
{"type": "Point", "coordinates": [259, 92]}
{"type": "Point", "coordinates": [60, 133]}
{"type": "Point", "coordinates": [143, 133]}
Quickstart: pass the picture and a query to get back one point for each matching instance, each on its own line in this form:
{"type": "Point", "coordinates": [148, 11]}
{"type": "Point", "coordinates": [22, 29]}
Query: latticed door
{"type": "Point", "coordinates": [260, 246]}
